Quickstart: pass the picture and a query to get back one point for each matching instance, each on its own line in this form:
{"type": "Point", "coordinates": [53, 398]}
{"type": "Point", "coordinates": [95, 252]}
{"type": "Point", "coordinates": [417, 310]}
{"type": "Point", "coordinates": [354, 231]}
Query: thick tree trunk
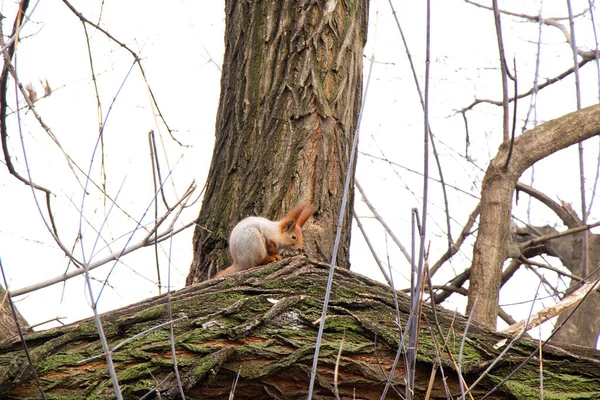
{"type": "Point", "coordinates": [261, 325]}
{"type": "Point", "coordinates": [491, 245]}
{"type": "Point", "coordinates": [290, 96]}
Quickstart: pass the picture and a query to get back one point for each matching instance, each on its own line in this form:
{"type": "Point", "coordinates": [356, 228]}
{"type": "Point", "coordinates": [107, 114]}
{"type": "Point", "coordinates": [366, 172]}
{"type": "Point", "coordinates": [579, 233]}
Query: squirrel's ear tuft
{"type": "Point", "coordinates": [307, 212]}
{"type": "Point", "coordinates": [288, 225]}
{"type": "Point", "coordinates": [297, 217]}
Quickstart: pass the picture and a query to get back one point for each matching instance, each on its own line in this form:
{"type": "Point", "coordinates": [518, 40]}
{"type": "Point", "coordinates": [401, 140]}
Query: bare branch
{"type": "Point", "coordinates": [382, 222]}
{"type": "Point", "coordinates": [547, 313]}
{"type": "Point", "coordinates": [568, 232]}
{"type": "Point", "coordinates": [567, 215]}
{"type": "Point", "coordinates": [466, 232]}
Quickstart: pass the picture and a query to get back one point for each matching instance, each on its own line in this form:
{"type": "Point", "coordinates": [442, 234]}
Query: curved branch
{"type": "Point", "coordinates": [491, 246]}
{"type": "Point", "coordinates": [568, 216]}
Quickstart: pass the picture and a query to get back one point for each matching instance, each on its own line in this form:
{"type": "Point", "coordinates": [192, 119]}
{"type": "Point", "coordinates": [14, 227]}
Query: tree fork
{"type": "Point", "coordinates": [491, 246]}
{"type": "Point", "coordinates": [291, 90]}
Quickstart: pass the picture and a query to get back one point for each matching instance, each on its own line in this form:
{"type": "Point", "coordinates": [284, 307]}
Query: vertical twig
{"type": "Point", "coordinates": [154, 162]}
{"type": "Point", "coordinates": [541, 364]}
{"type": "Point", "coordinates": [171, 335]}
{"type": "Point", "coordinates": [514, 121]}
{"type": "Point", "coordinates": [597, 59]}
{"type": "Point", "coordinates": [313, 372]}
{"type": "Point", "coordinates": [371, 248]}
{"type": "Point", "coordinates": [234, 385]}
{"type": "Point", "coordinates": [415, 303]}
{"type": "Point", "coordinates": [336, 391]}
{"type": "Point", "coordinates": [435, 153]}
{"type": "Point", "coordinates": [503, 71]}
{"type": "Point", "coordinates": [533, 100]}
{"type": "Point", "coordinates": [379, 218]}
{"type": "Point", "coordinates": [585, 243]}
{"type": "Point", "coordinates": [21, 337]}
{"type": "Point", "coordinates": [460, 354]}
{"type": "Point", "coordinates": [509, 346]}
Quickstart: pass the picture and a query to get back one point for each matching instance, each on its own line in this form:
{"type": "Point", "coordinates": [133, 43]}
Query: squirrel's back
{"type": "Point", "coordinates": [248, 240]}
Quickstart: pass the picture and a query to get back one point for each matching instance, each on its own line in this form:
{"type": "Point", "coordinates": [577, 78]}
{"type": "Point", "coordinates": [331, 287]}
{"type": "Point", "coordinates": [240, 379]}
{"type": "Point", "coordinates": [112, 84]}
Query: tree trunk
{"type": "Point", "coordinates": [491, 245]}
{"type": "Point", "coordinates": [261, 325]}
{"type": "Point", "coordinates": [290, 97]}
{"type": "Point", "coordinates": [8, 328]}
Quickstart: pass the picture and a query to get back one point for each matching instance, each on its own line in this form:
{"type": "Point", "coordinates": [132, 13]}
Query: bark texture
{"type": "Point", "coordinates": [8, 328]}
{"type": "Point", "coordinates": [290, 96]}
{"type": "Point", "coordinates": [262, 324]}
{"type": "Point", "coordinates": [491, 246]}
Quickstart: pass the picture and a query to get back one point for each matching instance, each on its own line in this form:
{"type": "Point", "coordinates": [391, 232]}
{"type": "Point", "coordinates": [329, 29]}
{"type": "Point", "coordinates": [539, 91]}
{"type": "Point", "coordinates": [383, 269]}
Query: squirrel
{"type": "Point", "coordinates": [257, 241]}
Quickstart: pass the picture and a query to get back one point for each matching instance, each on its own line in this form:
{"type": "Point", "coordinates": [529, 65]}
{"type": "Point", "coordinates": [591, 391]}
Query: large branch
{"type": "Point", "coordinates": [491, 246]}
{"type": "Point", "coordinates": [260, 324]}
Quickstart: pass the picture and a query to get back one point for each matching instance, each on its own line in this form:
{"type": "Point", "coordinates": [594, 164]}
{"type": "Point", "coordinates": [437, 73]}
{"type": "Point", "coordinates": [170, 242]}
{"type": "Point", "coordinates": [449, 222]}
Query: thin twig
{"type": "Point", "coordinates": [425, 109]}
{"type": "Point", "coordinates": [336, 391]}
{"type": "Point", "coordinates": [568, 232]}
{"type": "Point", "coordinates": [234, 385]}
{"type": "Point", "coordinates": [134, 55]}
{"type": "Point", "coordinates": [154, 162]}
{"type": "Point", "coordinates": [137, 335]}
{"type": "Point", "coordinates": [379, 218]}
{"type": "Point", "coordinates": [461, 380]}
{"type": "Point", "coordinates": [585, 242]}
{"type": "Point", "coordinates": [171, 334]}
{"type": "Point", "coordinates": [550, 312]}
{"type": "Point", "coordinates": [97, 264]}
{"type": "Point", "coordinates": [597, 59]}
{"type": "Point", "coordinates": [535, 351]}
{"type": "Point", "coordinates": [547, 82]}
{"type": "Point", "coordinates": [503, 71]}
{"type": "Point", "coordinates": [21, 337]}
{"type": "Point", "coordinates": [466, 231]}
{"type": "Point", "coordinates": [386, 376]}
{"type": "Point", "coordinates": [155, 389]}
{"type": "Point", "coordinates": [371, 248]}
{"type": "Point", "coordinates": [512, 342]}
{"type": "Point", "coordinates": [431, 178]}
{"type": "Point", "coordinates": [514, 121]}
{"type": "Point", "coordinates": [102, 336]}
{"type": "Point", "coordinates": [349, 174]}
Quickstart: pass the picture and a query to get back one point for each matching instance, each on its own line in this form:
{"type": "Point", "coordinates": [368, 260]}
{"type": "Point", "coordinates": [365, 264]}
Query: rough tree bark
{"type": "Point", "coordinates": [261, 324]}
{"type": "Point", "coordinates": [290, 96]}
{"type": "Point", "coordinates": [7, 323]}
{"type": "Point", "coordinates": [491, 245]}
{"type": "Point", "coordinates": [8, 328]}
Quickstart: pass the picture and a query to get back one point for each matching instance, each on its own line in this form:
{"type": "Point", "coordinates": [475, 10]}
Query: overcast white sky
{"type": "Point", "coordinates": [181, 47]}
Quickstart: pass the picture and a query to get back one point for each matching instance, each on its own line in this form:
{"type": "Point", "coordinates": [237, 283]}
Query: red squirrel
{"type": "Point", "coordinates": [257, 241]}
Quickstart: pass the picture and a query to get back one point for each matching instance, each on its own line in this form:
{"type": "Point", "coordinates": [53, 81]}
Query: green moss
{"type": "Point", "coordinates": [136, 371]}
{"type": "Point", "coordinates": [207, 367]}
{"type": "Point", "coordinates": [148, 315]}
{"type": "Point", "coordinates": [58, 362]}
